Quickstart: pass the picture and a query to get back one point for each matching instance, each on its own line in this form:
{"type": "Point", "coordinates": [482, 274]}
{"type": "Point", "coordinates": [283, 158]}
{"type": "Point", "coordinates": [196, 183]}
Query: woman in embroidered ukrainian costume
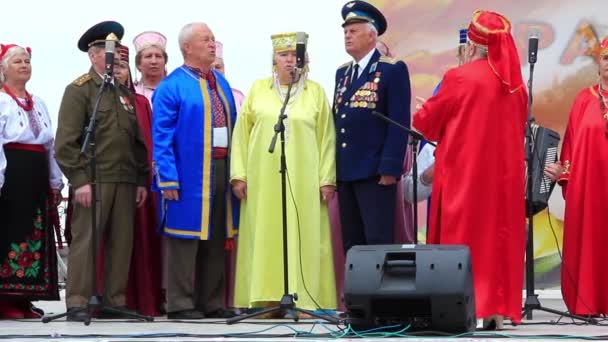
{"type": "Point", "coordinates": [310, 154]}
{"type": "Point", "coordinates": [144, 293]}
{"type": "Point", "coordinates": [582, 173]}
{"type": "Point", "coordinates": [151, 61]}
{"type": "Point", "coordinates": [30, 186]}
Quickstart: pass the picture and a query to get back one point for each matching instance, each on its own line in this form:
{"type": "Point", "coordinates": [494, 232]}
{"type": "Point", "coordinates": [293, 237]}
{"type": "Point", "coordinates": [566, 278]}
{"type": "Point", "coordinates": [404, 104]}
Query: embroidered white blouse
{"type": "Point", "coordinates": [15, 128]}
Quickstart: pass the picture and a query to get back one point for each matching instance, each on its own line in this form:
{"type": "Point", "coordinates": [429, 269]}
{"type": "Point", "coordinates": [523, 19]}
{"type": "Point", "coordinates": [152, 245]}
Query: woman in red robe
{"type": "Point", "coordinates": [478, 118]}
{"type": "Point", "coordinates": [144, 293]}
{"type": "Point", "coordinates": [582, 173]}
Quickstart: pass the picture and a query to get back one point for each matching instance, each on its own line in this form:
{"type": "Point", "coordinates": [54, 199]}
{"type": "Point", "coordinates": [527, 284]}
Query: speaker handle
{"type": "Point", "coordinates": [399, 263]}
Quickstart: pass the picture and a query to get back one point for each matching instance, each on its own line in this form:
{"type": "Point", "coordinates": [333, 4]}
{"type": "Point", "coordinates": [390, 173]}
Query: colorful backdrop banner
{"type": "Point", "coordinates": [424, 33]}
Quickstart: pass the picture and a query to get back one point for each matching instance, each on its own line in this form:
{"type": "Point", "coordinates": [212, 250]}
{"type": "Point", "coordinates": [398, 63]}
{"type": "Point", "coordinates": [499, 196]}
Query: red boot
{"type": "Point", "coordinates": [10, 309]}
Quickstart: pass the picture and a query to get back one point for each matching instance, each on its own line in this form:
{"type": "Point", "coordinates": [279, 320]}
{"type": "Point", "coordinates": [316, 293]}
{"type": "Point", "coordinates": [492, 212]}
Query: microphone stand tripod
{"type": "Point", "coordinates": [415, 139]}
{"type": "Point", "coordinates": [95, 302]}
{"type": "Point", "coordinates": [287, 302]}
{"type": "Point", "coordinates": [532, 303]}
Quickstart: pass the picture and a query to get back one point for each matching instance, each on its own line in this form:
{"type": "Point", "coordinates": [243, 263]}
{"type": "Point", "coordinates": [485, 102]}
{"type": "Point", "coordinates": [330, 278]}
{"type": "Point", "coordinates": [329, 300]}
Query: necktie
{"type": "Point", "coordinates": [355, 73]}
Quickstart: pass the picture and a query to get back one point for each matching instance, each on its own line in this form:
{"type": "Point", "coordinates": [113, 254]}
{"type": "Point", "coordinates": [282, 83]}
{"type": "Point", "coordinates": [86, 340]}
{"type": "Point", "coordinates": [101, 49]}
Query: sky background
{"type": "Point", "coordinates": [52, 30]}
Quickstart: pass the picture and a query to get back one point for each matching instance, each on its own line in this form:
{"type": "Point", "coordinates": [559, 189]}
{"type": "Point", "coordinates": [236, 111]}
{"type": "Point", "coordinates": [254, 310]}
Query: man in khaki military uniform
{"type": "Point", "coordinates": [121, 175]}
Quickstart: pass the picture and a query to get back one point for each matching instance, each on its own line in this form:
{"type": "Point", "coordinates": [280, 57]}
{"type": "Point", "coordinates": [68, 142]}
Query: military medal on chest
{"type": "Point", "coordinates": [367, 95]}
{"type": "Point", "coordinates": [341, 88]}
{"type": "Point", "coordinates": [126, 103]}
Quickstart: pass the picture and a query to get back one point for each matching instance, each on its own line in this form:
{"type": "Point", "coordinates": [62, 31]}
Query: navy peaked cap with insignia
{"type": "Point", "coordinates": [98, 34]}
{"type": "Point", "coordinates": [462, 35]}
{"type": "Point", "coordinates": [362, 12]}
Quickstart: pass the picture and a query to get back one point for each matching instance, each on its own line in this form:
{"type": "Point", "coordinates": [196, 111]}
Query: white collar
{"type": "Point", "coordinates": [364, 61]}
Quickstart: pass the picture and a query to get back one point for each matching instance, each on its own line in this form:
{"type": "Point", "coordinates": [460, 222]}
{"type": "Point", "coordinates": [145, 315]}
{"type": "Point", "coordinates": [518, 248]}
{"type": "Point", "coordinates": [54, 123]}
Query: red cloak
{"type": "Point", "coordinates": [144, 292]}
{"type": "Point", "coordinates": [479, 185]}
{"type": "Point", "coordinates": [585, 188]}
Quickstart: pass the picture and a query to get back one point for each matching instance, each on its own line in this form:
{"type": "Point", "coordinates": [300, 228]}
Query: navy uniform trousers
{"type": "Point", "coordinates": [367, 212]}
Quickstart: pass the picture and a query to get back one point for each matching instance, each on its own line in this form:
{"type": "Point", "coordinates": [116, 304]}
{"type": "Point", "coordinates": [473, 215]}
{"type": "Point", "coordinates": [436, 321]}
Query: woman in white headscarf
{"type": "Point", "coordinates": [151, 61]}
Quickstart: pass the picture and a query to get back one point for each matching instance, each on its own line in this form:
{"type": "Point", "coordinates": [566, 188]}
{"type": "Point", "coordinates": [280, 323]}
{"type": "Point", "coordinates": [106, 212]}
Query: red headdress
{"type": "Point", "coordinates": [4, 49]}
{"type": "Point", "coordinates": [493, 31]}
{"type": "Point", "coordinates": [603, 48]}
{"type": "Point", "coordinates": [123, 52]}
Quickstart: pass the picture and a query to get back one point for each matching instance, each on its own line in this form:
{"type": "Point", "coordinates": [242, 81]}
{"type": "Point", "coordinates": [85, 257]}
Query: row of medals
{"type": "Point", "coordinates": [126, 104]}
{"type": "Point", "coordinates": [366, 96]}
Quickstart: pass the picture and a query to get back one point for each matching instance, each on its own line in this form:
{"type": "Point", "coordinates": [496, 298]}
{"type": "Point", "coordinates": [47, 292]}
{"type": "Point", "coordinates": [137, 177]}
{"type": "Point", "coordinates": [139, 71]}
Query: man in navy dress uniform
{"type": "Point", "coordinates": [369, 150]}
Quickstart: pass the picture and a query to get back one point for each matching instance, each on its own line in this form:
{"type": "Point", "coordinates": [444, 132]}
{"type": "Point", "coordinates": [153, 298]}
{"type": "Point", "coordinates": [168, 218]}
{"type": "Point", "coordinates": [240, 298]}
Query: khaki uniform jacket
{"type": "Point", "coordinates": [120, 149]}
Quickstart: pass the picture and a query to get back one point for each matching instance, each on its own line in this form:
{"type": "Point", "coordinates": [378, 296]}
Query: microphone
{"type": "Point", "coordinates": [301, 41]}
{"type": "Point", "coordinates": [533, 47]}
{"type": "Point", "coordinates": [111, 40]}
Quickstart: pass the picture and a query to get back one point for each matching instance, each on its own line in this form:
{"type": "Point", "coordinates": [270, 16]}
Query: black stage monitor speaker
{"type": "Point", "coordinates": [428, 287]}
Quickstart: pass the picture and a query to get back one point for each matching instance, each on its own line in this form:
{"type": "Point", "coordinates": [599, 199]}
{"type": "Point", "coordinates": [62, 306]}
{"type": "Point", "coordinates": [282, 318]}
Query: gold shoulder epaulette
{"type": "Point", "coordinates": [388, 60]}
{"type": "Point", "coordinates": [344, 65]}
{"type": "Point", "coordinates": [81, 80]}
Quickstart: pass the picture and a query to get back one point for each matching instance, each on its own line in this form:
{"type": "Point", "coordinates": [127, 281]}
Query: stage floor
{"type": "Point", "coordinates": [544, 324]}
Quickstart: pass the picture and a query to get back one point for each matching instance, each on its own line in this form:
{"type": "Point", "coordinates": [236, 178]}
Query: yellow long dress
{"type": "Point", "coordinates": [310, 156]}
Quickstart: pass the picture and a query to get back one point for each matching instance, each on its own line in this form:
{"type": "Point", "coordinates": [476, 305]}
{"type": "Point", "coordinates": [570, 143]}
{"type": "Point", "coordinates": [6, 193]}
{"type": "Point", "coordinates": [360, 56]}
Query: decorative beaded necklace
{"type": "Point", "coordinates": [29, 102]}
{"type": "Point", "coordinates": [294, 92]}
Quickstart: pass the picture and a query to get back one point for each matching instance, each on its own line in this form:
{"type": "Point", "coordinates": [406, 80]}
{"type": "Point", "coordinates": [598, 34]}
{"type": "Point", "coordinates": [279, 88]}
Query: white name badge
{"type": "Point", "coordinates": [220, 137]}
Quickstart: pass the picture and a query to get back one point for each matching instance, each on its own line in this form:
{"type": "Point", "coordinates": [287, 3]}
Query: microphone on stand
{"type": "Point", "coordinates": [533, 47]}
{"type": "Point", "coordinates": [111, 40]}
{"type": "Point", "coordinates": [301, 41]}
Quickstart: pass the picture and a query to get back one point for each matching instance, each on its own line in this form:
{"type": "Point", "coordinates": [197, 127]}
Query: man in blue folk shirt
{"type": "Point", "coordinates": [369, 151]}
{"type": "Point", "coordinates": [194, 114]}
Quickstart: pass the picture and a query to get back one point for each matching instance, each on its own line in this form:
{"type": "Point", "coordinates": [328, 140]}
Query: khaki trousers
{"type": "Point", "coordinates": [196, 277]}
{"type": "Point", "coordinates": [115, 221]}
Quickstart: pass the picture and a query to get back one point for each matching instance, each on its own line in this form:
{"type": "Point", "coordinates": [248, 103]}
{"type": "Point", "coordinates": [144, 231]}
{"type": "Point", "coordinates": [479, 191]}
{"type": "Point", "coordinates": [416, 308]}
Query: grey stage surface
{"type": "Point", "coordinates": [283, 330]}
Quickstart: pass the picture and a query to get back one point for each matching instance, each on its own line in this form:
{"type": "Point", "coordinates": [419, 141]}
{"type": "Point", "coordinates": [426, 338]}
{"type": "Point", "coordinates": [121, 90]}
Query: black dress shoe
{"type": "Point", "coordinates": [111, 314]}
{"type": "Point", "coordinates": [77, 315]}
{"type": "Point", "coordinates": [186, 314]}
{"type": "Point", "coordinates": [37, 311]}
{"type": "Point", "coordinates": [220, 313]}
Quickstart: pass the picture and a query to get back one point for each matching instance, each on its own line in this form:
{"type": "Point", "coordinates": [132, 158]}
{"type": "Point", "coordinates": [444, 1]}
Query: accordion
{"type": "Point", "coordinates": [544, 152]}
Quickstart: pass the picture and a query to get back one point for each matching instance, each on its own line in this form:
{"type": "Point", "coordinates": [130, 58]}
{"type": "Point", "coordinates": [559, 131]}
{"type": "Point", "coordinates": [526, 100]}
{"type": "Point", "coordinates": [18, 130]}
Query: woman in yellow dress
{"type": "Point", "coordinates": [255, 178]}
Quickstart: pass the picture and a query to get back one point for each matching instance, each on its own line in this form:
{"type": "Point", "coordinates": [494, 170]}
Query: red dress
{"type": "Point", "coordinates": [144, 292]}
{"type": "Point", "coordinates": [585, 188]}
{"type": "Point", "coordinates": [479, 185]}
